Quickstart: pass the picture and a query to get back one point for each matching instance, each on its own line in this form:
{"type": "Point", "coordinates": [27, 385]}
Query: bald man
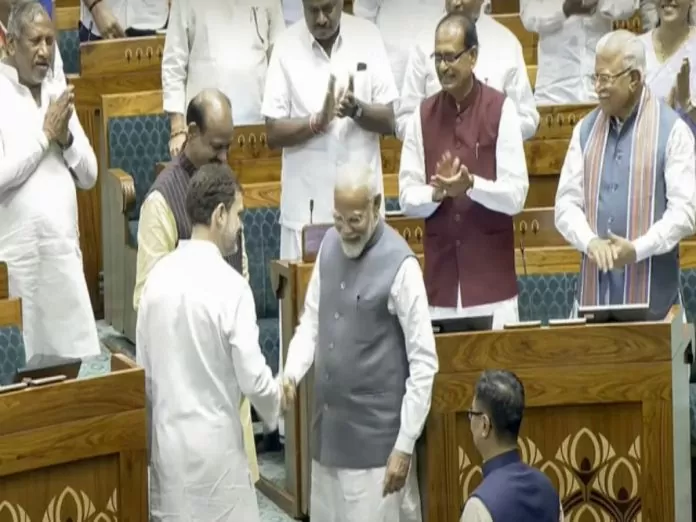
{"type": "Point", "coordinates": [163, 218]}
{"type": "Point", "coordinates": [374, 365]}
{"type": "Point", "coordinates": [627, 191]}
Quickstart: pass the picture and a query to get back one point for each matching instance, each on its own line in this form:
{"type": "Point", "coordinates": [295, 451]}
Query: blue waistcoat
{"type": "Point", "coordinates": [512, 490]}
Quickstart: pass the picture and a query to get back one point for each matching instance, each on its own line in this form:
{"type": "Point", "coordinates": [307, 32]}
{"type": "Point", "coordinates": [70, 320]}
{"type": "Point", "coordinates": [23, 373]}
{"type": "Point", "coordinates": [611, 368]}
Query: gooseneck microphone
{"type": "Point", "coordinates": [311, 210]}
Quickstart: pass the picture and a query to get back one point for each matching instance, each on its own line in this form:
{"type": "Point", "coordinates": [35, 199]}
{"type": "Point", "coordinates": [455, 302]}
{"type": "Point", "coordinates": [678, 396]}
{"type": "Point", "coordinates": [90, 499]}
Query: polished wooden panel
{"type": "Point", "coordinates": [67, 18]}
{"type": "Point", "coordinates": [602, 410]}
{"type": "Point", "coordinates": [76, 450]}
{"type": "Point", "coordinates": [505, 6]}
{"type": "Point", "coordinates": [128, 55]}
{"type": "Point", "coordinates": [67, 3]}
{"type": "Point", "coordinates": [4, 282]}
{"type": "Point", "coordinates": [11, 312]}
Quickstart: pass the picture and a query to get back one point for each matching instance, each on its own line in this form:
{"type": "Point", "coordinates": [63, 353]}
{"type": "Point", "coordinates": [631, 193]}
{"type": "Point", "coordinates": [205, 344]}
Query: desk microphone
{"type": "Point", "coordinates": [535, 312]}
{"type": "Point", "coordinates": [311, 210]}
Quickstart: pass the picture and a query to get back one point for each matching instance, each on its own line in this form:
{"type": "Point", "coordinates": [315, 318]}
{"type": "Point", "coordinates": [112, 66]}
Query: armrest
{"type": "Point", "coordinates": [125, 182]}
{"type": "Point", "coordinates": [280, 274]}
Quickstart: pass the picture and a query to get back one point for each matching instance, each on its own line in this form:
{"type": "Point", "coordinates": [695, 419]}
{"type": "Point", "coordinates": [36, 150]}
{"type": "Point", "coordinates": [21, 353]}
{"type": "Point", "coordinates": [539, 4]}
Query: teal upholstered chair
{"type": "Point", "coordinates": [12, 354]}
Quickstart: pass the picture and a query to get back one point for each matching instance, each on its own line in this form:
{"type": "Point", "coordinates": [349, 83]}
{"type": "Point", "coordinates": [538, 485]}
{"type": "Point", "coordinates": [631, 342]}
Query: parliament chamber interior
{"type": "Point", "coordinates": [601, 399]}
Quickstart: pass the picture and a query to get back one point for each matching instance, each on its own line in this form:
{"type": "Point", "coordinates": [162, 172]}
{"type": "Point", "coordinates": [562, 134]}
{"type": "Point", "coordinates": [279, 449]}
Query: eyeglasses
{"type": "Point", "coordinates": [473, 413]}
{"type": "Point", "coordinates": [449, 59]}
{"type": "Point", "coordinates": [607, 79]}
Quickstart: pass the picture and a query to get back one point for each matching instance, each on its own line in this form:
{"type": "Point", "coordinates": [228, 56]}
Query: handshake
{"type": "Point", "coordinates": [288, 390]}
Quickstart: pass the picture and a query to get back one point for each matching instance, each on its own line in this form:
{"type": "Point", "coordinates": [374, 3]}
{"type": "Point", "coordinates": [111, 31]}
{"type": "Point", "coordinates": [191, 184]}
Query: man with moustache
{"type": "Point", "coordinates": [499, 64]}
{"type": "Point", "coordinates": [463, 169]}
{"type": "Point", "coordinates": [163, 219]}
{"type": "Point", "coordinates": [367, 330]}
{"type": "Point", "coordinates": [627, 191]}
{"type": "Point", "coordinates": [511, 490]}
{"type": "Point", "coordinates": [5, 7]}
{"type": "Point", "coordinates": [328, 88]}
{"type": "Point", "coordinates": [44, 158]}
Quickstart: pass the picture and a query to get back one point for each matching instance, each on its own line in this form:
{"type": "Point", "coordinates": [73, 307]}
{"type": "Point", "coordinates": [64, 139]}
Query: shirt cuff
{"type": "Point", "coordinates": [404, 443]}
{"type": "Point", "coordinates": [642, 248]}
{"type": "Point", "coordinates": [174, 102]}
{"type": "Point", "coordinates": [72, 156]}
{"type": "Point", "coordinates": [585, 237]}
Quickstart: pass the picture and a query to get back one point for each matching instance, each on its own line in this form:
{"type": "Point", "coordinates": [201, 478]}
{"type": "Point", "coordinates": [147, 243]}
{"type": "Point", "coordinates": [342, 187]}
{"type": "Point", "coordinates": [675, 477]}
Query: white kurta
{"type": "Point", "coordinates": [506, 194]}
{"type": "Point", "coordinates": [500, 65]}
{"type": "Point", "coordinates": [341, 495]}
{"type": "Point", "coordinates": [567, 47]}
{"type": "Point", "coordinates": [197, 340]}
{"type": "Point", "coordinates": [39, 237]}
{"type": "Point", "coordinates": [676, 223]}
{"type": "Point", "coordinates": [220, 44]}
{"type": "Point", "coordinates": [137, 14]}
{"type": "Point", "coordinates": [661, 77]}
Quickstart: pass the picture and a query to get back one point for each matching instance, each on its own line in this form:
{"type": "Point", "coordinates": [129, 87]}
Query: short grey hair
{"type": "Point", "coordinates": [626, 43]}
{"type": "Point", "coordinates": [355, 176]}
{"type": "Point", "coordinates": [22, 14]}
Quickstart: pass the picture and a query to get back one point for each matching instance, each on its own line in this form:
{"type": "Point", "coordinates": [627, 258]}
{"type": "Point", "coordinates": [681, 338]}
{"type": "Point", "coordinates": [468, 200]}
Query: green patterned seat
{"type": "Point", "coordinates": [12, 354]}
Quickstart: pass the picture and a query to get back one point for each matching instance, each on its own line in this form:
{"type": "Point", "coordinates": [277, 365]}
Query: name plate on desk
{"type": "Point", "coordinates": [615, 314]}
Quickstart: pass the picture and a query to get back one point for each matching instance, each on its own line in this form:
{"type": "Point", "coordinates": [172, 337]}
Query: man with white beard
{"type": "Point", "coordinates": [366, 327]}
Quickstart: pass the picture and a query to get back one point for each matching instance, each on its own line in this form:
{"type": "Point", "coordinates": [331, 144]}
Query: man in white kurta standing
{"type": "Point", "coordinates": [220, 44]}
{"type": "Point", "coordinates": [366, 328]}
{"type": "Point", "coordinates": [568, 34]}
{"type": "Point", "coordinates": [44, 157]}
{"type": "Point", "coordinates": [500, 64]}
{"type": "Point", "coordinates": [627, 190]}
{"type": "Point", "coordinates": [329, 89]}
{"type": "Point", "coordinates": [197, 340]}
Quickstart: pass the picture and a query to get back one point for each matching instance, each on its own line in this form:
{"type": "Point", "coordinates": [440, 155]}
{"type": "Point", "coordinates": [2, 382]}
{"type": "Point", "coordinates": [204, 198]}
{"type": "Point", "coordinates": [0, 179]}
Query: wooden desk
{"type": "Point", "coordinates": [607, 418]}
{"type": "Point", "coordinates": [4, 282]}
{"type": "Point", "coordinates": [76, 450]}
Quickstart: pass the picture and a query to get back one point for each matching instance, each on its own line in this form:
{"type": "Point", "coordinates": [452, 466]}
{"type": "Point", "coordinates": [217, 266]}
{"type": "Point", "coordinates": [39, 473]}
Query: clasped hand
{"type": "Point", "coordinates": [611, 253]}
{"type": "Point", "coordinates": [396, 472]}
{"type": "Point", "coordinates": [288, 390]}
{"type": "Point", "coordinates": [57, 119]}
{"type": "Point", "coordinates": [337, 106]}
{"type": "Point", "coordinates": [452, 178]}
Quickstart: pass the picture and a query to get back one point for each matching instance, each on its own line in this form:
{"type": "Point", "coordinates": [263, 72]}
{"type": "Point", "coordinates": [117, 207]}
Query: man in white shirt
{"type": "Point", "coordinates": [44, 157]}
{"type": "Point", "coordinates": [57, 65]}
{"type": "Point", "coordinates": [197, 340]}
{"type": "Point", "coordinates": [568, 34]}
{"type": "Point", "coordinates": [366, 328]}
{"type": "Point", "coordinates": [463, 169]}
{"type": "Point", "coordinates": [329, 89]}
{"type": "Point", "coordinates": [500, 64]}
{"type": "Point", "coordinates": [221, 45]}
{"type": "Point", "coordinates": [627, 191]}
{"type": "Point", "coordinates": [108, 19]}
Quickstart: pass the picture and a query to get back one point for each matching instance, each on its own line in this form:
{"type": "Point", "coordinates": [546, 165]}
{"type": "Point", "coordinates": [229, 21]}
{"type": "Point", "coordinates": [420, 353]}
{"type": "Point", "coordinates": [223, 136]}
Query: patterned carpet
{"type": "Point", "coordinates": [271, 464]}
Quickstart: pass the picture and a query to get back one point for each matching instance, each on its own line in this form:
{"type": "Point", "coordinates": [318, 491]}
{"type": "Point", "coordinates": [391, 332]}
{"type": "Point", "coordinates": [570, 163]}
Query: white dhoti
{"type": "Point", "coordinates": [503, 312]}
{"type": "Point", "coordinates": [355, 495]}
{"type": "Point", "coordinates": [290, 250]}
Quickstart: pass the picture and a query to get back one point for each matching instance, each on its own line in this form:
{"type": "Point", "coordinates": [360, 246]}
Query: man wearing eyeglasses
{"type": "Point", "coordinates": [511, 489]}
{"type": "Point", "coordinates": [627, 191]}
{"type": "Point", "coordinates": [463, 169]}
{"type": "Point", "coordinates": [500, 64]}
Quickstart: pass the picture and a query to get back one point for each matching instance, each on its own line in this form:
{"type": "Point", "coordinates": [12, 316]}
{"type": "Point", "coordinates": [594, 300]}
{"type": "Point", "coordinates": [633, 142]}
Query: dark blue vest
{"type": "Point", "coordinates": [512, 490]}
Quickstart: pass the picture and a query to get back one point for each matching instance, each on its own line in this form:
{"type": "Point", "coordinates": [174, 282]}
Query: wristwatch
{"type": "Point", "coordinates": [357, 112]}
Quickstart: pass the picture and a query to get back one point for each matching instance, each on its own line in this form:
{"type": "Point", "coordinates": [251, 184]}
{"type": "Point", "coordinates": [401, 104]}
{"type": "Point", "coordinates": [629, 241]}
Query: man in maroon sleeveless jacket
{"type": "Point", "coordinates": [463, 169]}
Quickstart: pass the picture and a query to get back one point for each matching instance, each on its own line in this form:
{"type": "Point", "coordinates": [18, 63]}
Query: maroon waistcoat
{"type": "Point", "coordinates": [465, 241]}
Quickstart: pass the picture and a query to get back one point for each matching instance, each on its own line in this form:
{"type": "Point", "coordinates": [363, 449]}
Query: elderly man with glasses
{"type": "Point", "coordinates": [463, 169]}
{"type": "Point", "coordinates": [627, 191]}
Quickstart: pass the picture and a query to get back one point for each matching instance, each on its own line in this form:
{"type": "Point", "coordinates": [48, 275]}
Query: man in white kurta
{"type": "Point", "coordinates": [315, 118]}
{"type": "Point", "coordinates": [197, 340]}
{"type": "Point", "coordinates": [500, 64]}
{"type": "Point", "coordinates": [366, 328]}
{"type": "Point", "coordinates": [568, 34]}
{"type": "Point", "coordinates": [44, 157]}
{"type": "Point", "coordinates": [108, 19]}
{"type": "Point", "coordinates": [222, 45]}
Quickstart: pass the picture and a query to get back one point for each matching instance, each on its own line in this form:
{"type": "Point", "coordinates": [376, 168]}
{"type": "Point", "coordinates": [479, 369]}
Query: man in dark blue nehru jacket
{"type": "Point", "coordinates": [511, 490]}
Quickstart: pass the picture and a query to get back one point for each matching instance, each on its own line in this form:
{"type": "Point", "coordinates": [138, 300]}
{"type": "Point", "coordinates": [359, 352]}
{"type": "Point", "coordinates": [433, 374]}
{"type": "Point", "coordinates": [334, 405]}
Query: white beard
{"type": "Point", "coordinates": [354, 250]}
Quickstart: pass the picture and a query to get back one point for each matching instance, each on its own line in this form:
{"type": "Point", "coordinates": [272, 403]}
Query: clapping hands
{"type": "Point", "coordinates": [452, 178]}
